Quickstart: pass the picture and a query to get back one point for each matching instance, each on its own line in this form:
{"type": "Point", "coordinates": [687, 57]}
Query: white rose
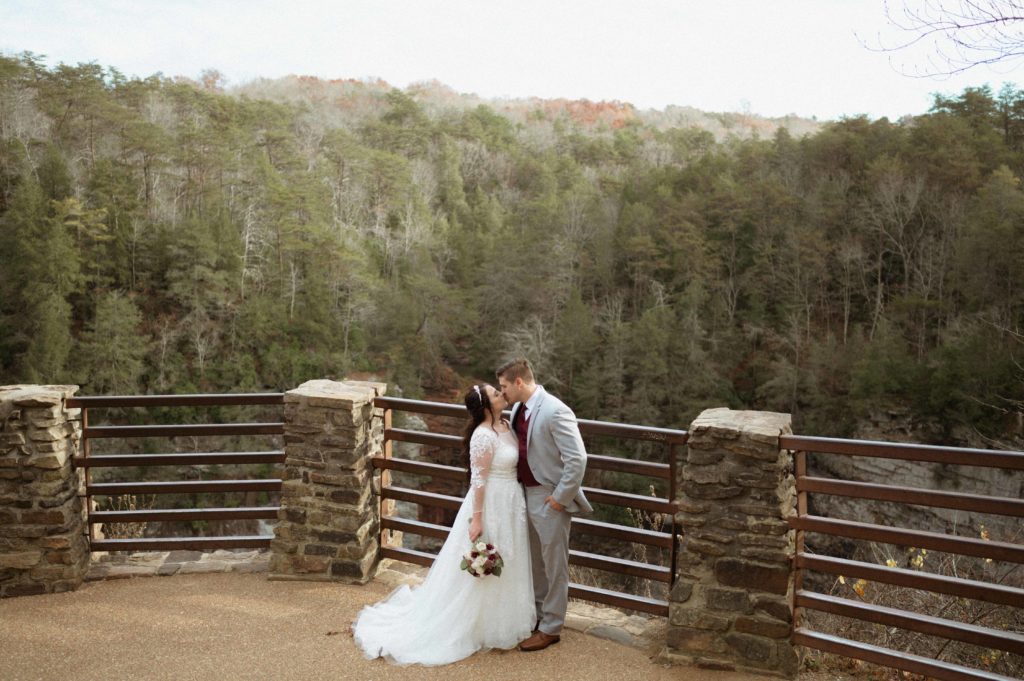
{"type": "Point", "coordinates": [481, 546]}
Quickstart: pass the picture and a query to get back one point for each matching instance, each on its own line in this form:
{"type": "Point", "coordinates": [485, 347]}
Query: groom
{"type": "Point", "coordinates": [552, 461]}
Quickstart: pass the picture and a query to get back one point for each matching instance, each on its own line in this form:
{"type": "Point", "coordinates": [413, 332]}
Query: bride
{"type": "Point", "coordinates": [452, 614]}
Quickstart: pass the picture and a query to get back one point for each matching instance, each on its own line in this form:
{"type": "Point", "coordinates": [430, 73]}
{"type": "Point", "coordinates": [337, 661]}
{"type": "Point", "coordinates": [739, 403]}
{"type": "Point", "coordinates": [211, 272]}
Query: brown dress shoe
{"type": "Point", "coordinates": [539, 641]}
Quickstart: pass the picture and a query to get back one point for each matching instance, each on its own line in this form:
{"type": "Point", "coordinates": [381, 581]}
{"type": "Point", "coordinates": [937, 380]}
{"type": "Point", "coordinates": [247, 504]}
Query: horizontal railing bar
{"type": "Point", "coordinates": [184, 514]}
{"type": "Point", "coordinates": [580, 525]}
{"type": "Point", "coordinates": [420, 406]}
{"type": "Point", "coordinates": [915, 664]}
{"type": "Point", "coordinates": [893, 450]}
{"type": "Point", "coordinates": [620, 566]}
{"type": "Point", "coordinates": [587, 593]}
{"type": "Point", "coordinates": [185, 430]}
{"type": "Point", "coordinates": [620, 465]}
{"type": "Point", "coordinates": [654, 470]}
{"type": "Point", "coordinates": [423, 438]}
{"type": "Point", "coordinates": [953, 586]}
{"type": "Point", "coordinates": [114, 460]}
{"type": "Point", "coordinates": [911, 495]}
{"type": "Point", "coordinates": [655, 504]}
{"type": "Point", "coordinates": [455, 441]}
{"type": "Point", "coordinates": [618, 599]}
{"type": "Point", "coordinates": [434, 470]}
{"type": "Point", "coordinates": [408, 555]}
{"type": "Point", "coordinates": [631, 534]}
{"type": "Point", "coordinates": [935, 541]}
{"type": "Point", "coordinates": [416, 527]}
{"type": "Point", "coordinates": [633, 432]}
{"type": "Point", "coordinates": [182, 543]}
{"type": "Point", "coordinates": [110, 488]}
{"type": "Point", "coordinates": [225, 399]}
{"type": "Point", "coordinates": [587, 427]}
{"type": "Point", "coordinates": [640, 501]}
{"type": "Point", "coordinates": [912, 621]}
{"type": "Point", "coordinates": [424, 498]}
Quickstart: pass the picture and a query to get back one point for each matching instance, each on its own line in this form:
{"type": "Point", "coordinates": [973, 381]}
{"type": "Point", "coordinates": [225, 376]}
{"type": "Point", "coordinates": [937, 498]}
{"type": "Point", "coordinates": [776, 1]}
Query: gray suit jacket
{"type": "Point", "coordinates": [555, 451]}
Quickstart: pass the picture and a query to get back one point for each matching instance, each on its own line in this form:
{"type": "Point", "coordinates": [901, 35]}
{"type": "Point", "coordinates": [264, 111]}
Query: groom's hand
{"type": "Point", "coordinates": [550, 501]}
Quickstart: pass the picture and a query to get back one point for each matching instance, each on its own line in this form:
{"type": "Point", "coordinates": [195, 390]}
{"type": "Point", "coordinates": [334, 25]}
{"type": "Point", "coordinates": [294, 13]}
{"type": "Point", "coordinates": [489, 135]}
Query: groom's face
{"type": "Point", "coordinates": [509, 389]}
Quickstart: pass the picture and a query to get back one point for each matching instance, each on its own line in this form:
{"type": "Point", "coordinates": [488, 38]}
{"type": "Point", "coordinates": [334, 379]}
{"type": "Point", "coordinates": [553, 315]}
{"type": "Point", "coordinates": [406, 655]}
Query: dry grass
{"type": "Point", "coordinates": [127, 502]}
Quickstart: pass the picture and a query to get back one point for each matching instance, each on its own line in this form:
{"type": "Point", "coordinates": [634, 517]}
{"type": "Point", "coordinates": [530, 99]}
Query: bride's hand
{"type": "Point", "coordinates": [476, 528]}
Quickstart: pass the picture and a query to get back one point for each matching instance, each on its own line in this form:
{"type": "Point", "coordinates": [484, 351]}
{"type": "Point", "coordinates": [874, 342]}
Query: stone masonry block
{"type": "Point", "coordinates": [774, 606]}
{"type": "Point", "coordinates": [22, 560]}
{"type": "Point", "coordinates": [691, 640]}
{"type": "Point", "coordinates": [697, 618]}
{"type": "Point", "coordinates": [731, 600]}
{"type": "Point", "coordinates": [752, 649]}
{"type": "Point", "coordinates": [767, 628]}
{"type": "Point", "coordinates": [753, 576]}
{"type": "Point", "coordinates": [733, 566]}
{"type": "Point", "coordinates": [328, 521]}
{"type": "Point", "coordinates": [681, 591]}
{"type": "Point", "coordinates": [712, 491]}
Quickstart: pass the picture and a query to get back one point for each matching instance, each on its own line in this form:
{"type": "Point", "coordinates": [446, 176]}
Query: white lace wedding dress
{"type": "Point", "coordinates": [452, 614]}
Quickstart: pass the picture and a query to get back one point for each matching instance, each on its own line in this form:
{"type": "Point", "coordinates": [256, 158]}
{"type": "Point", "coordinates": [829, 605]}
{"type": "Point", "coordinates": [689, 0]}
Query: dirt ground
{"type": "Point", "coordinates": [237, 626]}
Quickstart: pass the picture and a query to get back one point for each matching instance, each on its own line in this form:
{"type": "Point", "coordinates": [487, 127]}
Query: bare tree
{"type": "Point", "coordinates": [893, 211]}
{"type": "Point", "coordinates": [532, 339]}
{"type": "Point", "coordinates": [958, 34]}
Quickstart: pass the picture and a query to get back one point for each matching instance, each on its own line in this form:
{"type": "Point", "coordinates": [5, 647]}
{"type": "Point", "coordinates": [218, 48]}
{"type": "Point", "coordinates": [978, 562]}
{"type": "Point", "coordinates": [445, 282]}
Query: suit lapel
{"type": "Point", "coordinates": [534, 417]}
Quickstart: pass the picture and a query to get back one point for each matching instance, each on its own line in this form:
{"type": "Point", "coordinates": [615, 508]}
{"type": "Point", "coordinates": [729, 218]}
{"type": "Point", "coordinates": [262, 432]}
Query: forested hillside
{"type": "Point", "coordinates": [161, 236]}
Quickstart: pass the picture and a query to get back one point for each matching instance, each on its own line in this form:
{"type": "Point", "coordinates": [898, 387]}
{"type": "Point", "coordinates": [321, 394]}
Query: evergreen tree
{"type": "Point", "coordinates": [113, 348]}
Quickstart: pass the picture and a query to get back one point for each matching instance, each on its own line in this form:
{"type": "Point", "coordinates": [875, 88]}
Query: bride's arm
{"type": "Point", "coordinates": [481, 452]}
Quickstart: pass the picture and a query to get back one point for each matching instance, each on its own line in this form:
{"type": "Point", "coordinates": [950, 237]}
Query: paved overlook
{"type": "Point", "coordinates": [244, 626]}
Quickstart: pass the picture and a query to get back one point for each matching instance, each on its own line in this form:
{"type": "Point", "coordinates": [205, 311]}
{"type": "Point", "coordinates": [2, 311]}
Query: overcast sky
{"type": "Point", "coordinates": [769, 57]}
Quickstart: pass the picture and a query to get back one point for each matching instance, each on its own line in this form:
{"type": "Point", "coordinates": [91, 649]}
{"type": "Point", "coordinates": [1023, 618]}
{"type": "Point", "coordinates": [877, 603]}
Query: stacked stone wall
{"type": "Point", "coordinates": [329, 521]}
{"type": "Point", "coordinates": [43, 547]}
{"type": "Point", "coordinates": [731, 605]}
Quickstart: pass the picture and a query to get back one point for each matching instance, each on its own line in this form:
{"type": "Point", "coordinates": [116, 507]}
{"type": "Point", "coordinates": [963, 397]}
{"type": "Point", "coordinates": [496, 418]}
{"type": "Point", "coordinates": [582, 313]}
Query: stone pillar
{"type": "Point", "coordinates": [731, 605]}
{"type": "Point", "coordinates": [43, 547]}
{"type": "Point", "coordinates": [329, 521]}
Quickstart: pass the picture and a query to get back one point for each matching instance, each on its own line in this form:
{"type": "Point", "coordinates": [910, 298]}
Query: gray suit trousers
{"type": "Point", "coordinates": [549, 555]}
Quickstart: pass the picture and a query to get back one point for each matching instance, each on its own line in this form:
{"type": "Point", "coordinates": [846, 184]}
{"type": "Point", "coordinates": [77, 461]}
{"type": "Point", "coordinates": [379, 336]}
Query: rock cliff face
{"type": "Point", "coordinates": [897, 426]}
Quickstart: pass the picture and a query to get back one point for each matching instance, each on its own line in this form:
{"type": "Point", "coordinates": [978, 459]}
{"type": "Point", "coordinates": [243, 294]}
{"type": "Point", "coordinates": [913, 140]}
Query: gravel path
{"type": "Point", "coordinates": [237, 626]}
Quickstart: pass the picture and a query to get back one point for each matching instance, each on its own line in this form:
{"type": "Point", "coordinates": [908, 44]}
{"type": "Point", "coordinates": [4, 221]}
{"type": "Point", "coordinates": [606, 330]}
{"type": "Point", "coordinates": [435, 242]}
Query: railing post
{"type": "Point", "coordinates": [799, 471]}
{"type": "Point", "coordinates": [387, 506]}
{"type": "Point", "coordinates": [43, 547]}
{"type": "Point", "coordinates": [730, 607]}
{"type": "Point", "coordinates": [673, 467]}
{"type": "Point", "coordinates": [86, 480]}
{"type": "Point", "coordinates": [329, 521]}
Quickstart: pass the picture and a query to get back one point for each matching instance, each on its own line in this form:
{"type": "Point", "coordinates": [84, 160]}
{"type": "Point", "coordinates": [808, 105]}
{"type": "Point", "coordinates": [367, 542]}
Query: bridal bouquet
{"type": "Point", "coordinates": [482, 559]}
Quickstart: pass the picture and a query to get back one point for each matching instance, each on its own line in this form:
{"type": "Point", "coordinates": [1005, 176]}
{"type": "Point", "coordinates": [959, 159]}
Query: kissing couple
{"type": "Point", "coordinates": [525, 479]}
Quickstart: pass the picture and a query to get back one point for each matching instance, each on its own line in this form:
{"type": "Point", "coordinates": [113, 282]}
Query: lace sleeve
{"type": "Point", "coordinates": [481, 452]}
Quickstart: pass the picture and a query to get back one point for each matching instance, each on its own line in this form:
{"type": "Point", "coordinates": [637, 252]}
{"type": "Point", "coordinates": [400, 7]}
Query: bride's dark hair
{"type": "Point", "coordinates": [479, 406]}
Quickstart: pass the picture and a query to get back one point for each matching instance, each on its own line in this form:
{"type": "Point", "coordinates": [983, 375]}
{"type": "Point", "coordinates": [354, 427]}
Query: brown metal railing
{"type": "Point", "coordinates": [1008, 641]}
{"type": "Point", "coordinates": [672, 439]}
{"type": "Point", "coordinates": [88, 462]}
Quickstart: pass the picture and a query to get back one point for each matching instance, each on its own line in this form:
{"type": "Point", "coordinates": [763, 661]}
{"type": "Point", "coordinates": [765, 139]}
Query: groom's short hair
{"type": "Point", "coordinates": [517, 368]}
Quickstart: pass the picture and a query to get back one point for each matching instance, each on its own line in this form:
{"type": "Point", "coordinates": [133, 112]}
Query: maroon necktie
{"type": "Point", "coordinates": [524, 474]}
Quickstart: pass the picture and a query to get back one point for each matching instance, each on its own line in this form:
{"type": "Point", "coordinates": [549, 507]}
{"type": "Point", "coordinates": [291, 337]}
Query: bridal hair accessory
{"type": "Point", "coordinates": [482, 559]}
